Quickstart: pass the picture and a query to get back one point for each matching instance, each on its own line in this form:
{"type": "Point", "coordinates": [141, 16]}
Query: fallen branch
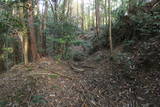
{"type": "Point", "coordinates": [77, 69]}
{"type": "Point", "coordinates": [86, 66]}
{"type": "Point", "coordinates": [155, 5]}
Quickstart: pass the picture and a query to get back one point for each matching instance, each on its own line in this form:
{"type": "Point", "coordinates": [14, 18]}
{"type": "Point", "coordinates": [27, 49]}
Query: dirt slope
{"type": "Point", "coordinates": [38, 85]}
{"type": "Point", "coordinates": [89, 83]}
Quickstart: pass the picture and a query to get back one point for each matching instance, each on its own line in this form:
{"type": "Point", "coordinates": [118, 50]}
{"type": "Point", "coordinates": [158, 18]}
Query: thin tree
{"type": "Point", "coordinates": [44, 20]}
{"type": "Point", "coordinates": [110, 26]}
{"type": "Point", "coordinates": [64, 9]}
{"type": "Point", "coordinates": [89, 17]}
{"type": "Point", "coordinates": [77, 8]}
{"type": "Point", "coordinates": [105, 9]}
{"type": "Point", "coordinates": [55, 10]}
{"type": "Point", "coordinates": [97, 12]}
{"type": "Point", "coordinates": [25, 48]}
{"type": "Point", "coordinates": [23, 36]}
{"type": "Point", "coordinates": [82, 12]}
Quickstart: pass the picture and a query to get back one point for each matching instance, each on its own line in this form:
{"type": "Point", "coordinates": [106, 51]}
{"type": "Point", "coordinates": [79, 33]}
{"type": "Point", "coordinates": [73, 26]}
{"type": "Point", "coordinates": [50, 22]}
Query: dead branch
{"type": "Point", "coordinates": [76, 69]}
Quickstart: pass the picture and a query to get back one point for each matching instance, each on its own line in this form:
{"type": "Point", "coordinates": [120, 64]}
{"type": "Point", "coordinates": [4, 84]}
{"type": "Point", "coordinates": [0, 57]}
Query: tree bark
{"type": "Point", "coordinates": [82, 12]}
{"type": "Point", "coordinates": [32, 31]}
{"type": "Point", "coordinates": [44, 20]}
{"type": "Point", "coordinates": [77, 8]}
{"type": "Point", "coordinates": [106, 17]}
{"type": "Point", "coordinates": [24, 37]}
{"type": "Point", "coordinates": [55, 10]}
{"type": "Point", "coordinates": [26, 49]}
{"type": "Point", "coordinates": [110, 26]}
{"type": "Point", "coordinates": [97, 16]}
{"type": "Point", "coordinates": [64, 9]}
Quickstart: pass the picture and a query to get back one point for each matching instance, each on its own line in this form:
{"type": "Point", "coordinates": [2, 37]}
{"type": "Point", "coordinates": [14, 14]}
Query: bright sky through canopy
{"type": "Point", "coordinates": [85, 1]}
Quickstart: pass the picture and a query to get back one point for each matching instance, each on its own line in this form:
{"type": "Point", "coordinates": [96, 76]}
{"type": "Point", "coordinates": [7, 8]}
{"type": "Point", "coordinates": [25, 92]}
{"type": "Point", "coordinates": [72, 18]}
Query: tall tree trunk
{"type": "Point", "coordinates": [2, 62]}
{"type": "Point", "coordinates": [70, 9]}
{"type": "Point", "coordinates": [106, 17]}
{"type": "Point", "coordinates": [89, 17]}
{"type": "Point", "coordinates": [26, 49]}
{"type": "Point", "coordinates": [93, 20]}
{"type": "Point", "coordinates": [24, 37]}
{"type": "Point", "coordinates": [82, 12]}
{"type": "Point", "coordinates": [64, 9]}
{"type": "Point", "coordinates": [44, 20]}
{"type": "Point", "coordinates": [39, 28]}
{"type": "Point", "coordinates": [55, 10]}
{"type": "Point", "coordinates": [110, 26]}
{"type": "Point", "coordinates": [77, 8]}
{"type": "Point", "coordinates": [97, 16]}
{"type": "Point", "coordinates": [32, 31]}
{"type": "Point", "coordinates": [52, 7]}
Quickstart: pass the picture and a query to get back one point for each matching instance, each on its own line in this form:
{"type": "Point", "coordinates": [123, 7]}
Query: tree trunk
{"type": "Point", "coordinates": [89, 17]}
{"type": "Point", "coordinates": [44, 20]}
{"type": "Point", "coordinates": [77, 8]}
{"type": "Point", "coordinates": [106, 17]}
{"type": "Point", "coordinates": [32, 31]}
{"type": "Point", "coordinates": [97, 16]}
{"type": "Point", "coordinates": [64, 9]}
{"type": "Point", "coordinates": [55, 11]}
{"type": "Point", "coordinates": [93, 21]}
{"type": "Point", "coordinates": [110, 26]}
{"type": "Point", "coordinates": [24, 37]}
{"type": "Point", "coordinates": [131, 5]}
{"type": "Point", "coordinates": [26, 49]}
{"type": "Point", "coordinates": [2, 62]}
{"type": "Point", "coordinates": [82, 12]}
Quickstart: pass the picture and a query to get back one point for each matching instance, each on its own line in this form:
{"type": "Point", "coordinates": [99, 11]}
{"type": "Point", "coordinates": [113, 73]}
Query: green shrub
{"type": "Point", "coordinates": [63, 36]}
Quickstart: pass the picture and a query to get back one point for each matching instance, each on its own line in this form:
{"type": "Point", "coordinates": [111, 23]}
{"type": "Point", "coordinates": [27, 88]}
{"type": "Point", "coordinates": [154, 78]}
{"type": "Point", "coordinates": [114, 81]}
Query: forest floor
{"type": "Point", "coordinates": [89, 83]}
